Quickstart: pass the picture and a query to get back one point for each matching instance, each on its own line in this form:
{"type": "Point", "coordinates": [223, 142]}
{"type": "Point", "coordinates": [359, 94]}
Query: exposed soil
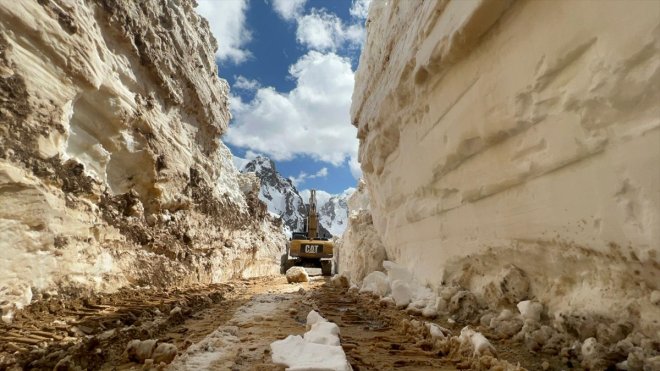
{"type": "Point", "coordinates": [93, 333]}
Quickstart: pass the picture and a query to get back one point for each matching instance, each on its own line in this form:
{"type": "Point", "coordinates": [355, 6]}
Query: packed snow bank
{"type": "Point", "coordinates": [318, 349]}
{"type": "Point", "coordinates": [376, 283]}
{"type": "Point", "coordinates": [497, 132]}
{"type": "Point", "coordinates": [360, 250]}
{"type": "Point", "coordinates": [111, 166]}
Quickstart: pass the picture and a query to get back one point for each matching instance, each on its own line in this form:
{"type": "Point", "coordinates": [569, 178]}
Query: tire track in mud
{"type": "Point", "coordinates": [224, 326]}
{"type": "Point", "coordinates": [372, 340]}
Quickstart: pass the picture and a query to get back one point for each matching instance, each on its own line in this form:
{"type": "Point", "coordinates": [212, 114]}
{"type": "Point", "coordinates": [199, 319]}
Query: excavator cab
{"type": "Point", "coordinates": [307, 249]}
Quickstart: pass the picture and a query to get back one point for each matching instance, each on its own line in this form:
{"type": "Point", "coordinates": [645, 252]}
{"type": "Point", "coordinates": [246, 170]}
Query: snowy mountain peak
{"type": "Point", "coordinates": [334, 212]}
{"type": "Point", "coordinates": [260, 165]}
{"type": "Point", "coordinates": [279, 194]}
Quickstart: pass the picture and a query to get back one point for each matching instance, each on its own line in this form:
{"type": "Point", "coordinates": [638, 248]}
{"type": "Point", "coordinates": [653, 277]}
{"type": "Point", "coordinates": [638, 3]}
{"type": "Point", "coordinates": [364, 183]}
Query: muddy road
{"type": "Point", "coordinates": [230, 327]}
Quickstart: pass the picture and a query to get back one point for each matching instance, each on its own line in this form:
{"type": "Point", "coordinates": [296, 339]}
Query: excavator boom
{"type": "Point", "coordinates": [312, 217]}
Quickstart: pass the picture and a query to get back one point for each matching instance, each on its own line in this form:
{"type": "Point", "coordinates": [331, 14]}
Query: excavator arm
{"type": "Point", "coordinates": [312, 217]}
{"type": "Point", "coordinates": [307, 249]}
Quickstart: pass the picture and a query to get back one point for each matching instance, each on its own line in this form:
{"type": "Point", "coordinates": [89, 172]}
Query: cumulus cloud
{"type": "Point", "coordinates": [320, 30]}
{"type": "Point", "coordinates": [312, 119]}
{"type": "Point", "coordinates": [289, 9]}
{"type": "Point", "coordinates": [303, 176]}
{"type": "Point", "coordinates": [354, 166]}
{"type": "Point", "coordinates": [360, 8]}
{"type": "Point", "coordinates": [243, 83]}
{"type": "Point", "coordinates": [227, 21]}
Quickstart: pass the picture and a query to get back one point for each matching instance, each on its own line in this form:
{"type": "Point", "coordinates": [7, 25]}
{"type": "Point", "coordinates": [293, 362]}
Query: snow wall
{"type": "Point", "coordinates": [360, 250]}
{"type": "Point", "coordinates": [517, 132]}
{"type": "Point", "coordinates": [112, 171]}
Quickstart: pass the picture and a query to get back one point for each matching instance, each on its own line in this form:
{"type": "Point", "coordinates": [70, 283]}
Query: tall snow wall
{"type": "Point", "coordinates": [360, 250]}
{"type": "Point", "coordinates": [112, 171]}
{"type": "Point", "coordinates": [517, 132]}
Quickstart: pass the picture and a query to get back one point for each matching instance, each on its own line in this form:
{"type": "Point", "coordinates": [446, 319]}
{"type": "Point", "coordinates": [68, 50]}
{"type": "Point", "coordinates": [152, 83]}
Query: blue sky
{"type": "Point", "coordinates": [290, 65]}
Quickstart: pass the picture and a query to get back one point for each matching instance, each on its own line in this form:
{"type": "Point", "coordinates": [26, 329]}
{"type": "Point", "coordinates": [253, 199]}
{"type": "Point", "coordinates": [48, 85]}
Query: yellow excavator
{"type": "Point", "coordinates": [307, 249]}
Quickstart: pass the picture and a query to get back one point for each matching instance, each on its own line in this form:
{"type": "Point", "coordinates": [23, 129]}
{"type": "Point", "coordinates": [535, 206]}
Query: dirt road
{"type": "Point", "coordinates": [229, 327]}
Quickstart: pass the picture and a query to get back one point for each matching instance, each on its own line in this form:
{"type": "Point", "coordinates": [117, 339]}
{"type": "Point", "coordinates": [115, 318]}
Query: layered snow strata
{"type": "Point", "coordinates": [318, 349]}
{"type": "Point", "coordinates": [111, 167]}
{"type": "Point", "coordinates": [497, 132]}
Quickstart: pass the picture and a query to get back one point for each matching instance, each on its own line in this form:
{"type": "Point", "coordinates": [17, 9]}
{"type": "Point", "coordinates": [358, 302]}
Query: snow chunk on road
{"type": "Point", "coordinates": [530, 310]}
{"type": "Point", "coordinates": [296, 274]}
{"type": "Point", "coordinates": [437, 332]}
{"type": "Point", "coordinates": [401, 293]}
{"type": "Point", "coordinates": [323, 333]}
{"type": "Point", "coordinates": [376, 282]}
{"type": "Point", "coordinates": [314, 317]}
{"type": "Point", "coordinates": [298, 354]}
{"type": "Point", "coordinates": [319, 348]}
{"type": "Point", "coordinates": [478, 342]}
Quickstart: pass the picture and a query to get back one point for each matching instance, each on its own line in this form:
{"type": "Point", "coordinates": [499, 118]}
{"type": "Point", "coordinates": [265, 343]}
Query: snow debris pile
{"type": "Point", "coordinates": [339, 280]}
{"type": "Point", "coordinates": [509, 163]}
{"type": "Point", "coordinates": [296, 274]}
{"type": "Point", "coordinates": [403, 289]}
{"type": "Point", "coordinates": [600, 345]}
{"type": "Point", "coordinates": [400, 288]}
{"type": "Point", "coordinates": [318, 349]}
{"type": "Point", "coordinates": [111, 167]}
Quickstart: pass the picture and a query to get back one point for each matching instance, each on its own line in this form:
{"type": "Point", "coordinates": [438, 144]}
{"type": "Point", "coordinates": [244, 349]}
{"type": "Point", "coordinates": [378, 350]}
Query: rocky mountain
{"type": "Point", "coordinates": [279, 194]}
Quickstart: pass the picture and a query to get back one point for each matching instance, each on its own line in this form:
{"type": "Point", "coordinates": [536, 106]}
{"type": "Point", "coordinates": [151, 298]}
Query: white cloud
{"type": "Point", "coordinates": [320, 30]}
{"type": "Point", "coordinates": [227, 21]}
{"type": "Point", "coordinates": [312, 119]}
{"type": "Point", "coordinates": [289, 9]}
{"type": "Point", "coordinates": [360, 8]}
{"type": "Point", "coordinates": [354, 165]}
{"type": "Point", "coordinates": [321, 196]}
{"type": "Point", "coordinates": [296, 180]}
{"type": "Point", "coordinates": [303, 176]}
{"type": "Point", "coordinates": [251, 155]}
{"type": "Point", "coordinates": [348, 191]}
{"type": "Point", "coordinates": [242, 82]}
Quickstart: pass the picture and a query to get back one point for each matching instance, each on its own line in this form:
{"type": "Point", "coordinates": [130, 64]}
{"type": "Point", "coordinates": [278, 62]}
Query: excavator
{"type": "Point", "coordinates": [308, 249]}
